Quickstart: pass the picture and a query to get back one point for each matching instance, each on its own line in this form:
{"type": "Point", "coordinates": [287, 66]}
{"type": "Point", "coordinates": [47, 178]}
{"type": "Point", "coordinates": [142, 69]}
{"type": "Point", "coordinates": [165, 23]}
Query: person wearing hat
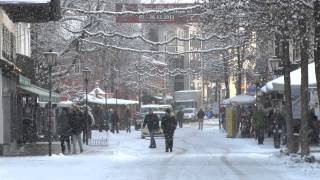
{"type": "Point", "coordinates": [168, 125]}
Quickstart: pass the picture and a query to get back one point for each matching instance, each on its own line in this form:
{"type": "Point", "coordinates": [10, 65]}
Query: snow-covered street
{"type": "Point", "coordinates": [197, 155]}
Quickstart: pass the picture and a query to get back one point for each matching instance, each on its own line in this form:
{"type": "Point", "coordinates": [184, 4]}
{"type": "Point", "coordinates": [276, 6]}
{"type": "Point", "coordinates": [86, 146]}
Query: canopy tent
{"type": "Point", "coordinates": [226, 101]}
{"type": "Point", "coordinates": [242, 99]}
{"type": "Point", "coordinates": [295, 77]}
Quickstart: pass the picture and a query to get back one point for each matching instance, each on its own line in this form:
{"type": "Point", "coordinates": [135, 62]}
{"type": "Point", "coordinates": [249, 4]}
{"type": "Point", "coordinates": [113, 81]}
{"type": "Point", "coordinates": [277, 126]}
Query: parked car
{"type": "Point", "coordinates": [190, 114]}
{"type": "Point", "coordinates": [159, 133]}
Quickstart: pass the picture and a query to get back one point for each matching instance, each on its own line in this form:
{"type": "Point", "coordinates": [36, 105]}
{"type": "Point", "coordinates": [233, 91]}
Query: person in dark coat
{"type": "Point", "coordinates": [64, 130]}
{"type": "Point", "coordinates": [86, 126]}
{"type": "Point", "coordinates": [115, 121]}
{"type": "Point", "coordinates": [152, 122]}
{"type": "Point", "coordinates": [180, 118]}
{"type": "Point", "coordinates": [168, 125]}
{"type": "Point", "coordinates": [259, 118]}
{"type": "Point", "coordinates": [76, 123]}
{"type": "Point", "coordinates": [127, 120]}
{"type": "Point", "coordinates": [200, 116]}
{"type": "Point", "coordinates": [313, 125]}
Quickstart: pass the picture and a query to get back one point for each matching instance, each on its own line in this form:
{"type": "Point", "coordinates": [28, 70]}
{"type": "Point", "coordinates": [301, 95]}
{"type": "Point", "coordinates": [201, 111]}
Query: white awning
{"type": "Point", "coordinates": [295, 77]}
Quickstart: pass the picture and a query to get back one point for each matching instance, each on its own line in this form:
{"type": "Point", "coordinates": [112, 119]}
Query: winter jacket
{"type": "Point", "coordinates": [201, 114]}
{"type": "Point", "coordinates": [152, 122]}
{"type": "Point", "coordinates": [168, 124]}
{"type": "Point", "coordinates": [259, 118]}
{"type": "Point", "coordinates": [63, 124]}
{"type": "Point", "coordinates": [127, 116]}
{"type": "Point", "coordinates": [114, 117]}
{"type": "Point", "coordinates": [76, 122]}
{"type": "Point", "coordinates": [180, 115]}
{"type": "Point", "coordinates": [87, 122]}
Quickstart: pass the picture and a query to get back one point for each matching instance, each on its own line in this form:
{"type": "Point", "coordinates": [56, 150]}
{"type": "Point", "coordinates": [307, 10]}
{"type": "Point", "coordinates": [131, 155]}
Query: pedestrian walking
{"type": "Point", "coordinates": [152, 122]}
{"type": "Point", "coordinates": [200, 116]}
{"type": "Point", "coordinates": [168, 125]}
{"type": "Point", "coordinates": [86, 126]}
{"type": "Point", "coordinates": [180, 115]}
{"type": "Point", "coordinates": [115, 121]}
{"type": "Point", "coordinates": [277, 127]}
{"type": "Point", "coordinates": [64, 130]}
{"type": "Point", "coordinates": [259, 118]}
{"type": "Point", "coordinates": [314, 127]}
{"type": "Point", "coordinates": [76, 121]}
{"type": "Point", "coordinates": [127, 120]}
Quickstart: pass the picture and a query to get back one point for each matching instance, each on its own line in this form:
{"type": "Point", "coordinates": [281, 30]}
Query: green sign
{"type": "Point", "coordinates": [24, 80]}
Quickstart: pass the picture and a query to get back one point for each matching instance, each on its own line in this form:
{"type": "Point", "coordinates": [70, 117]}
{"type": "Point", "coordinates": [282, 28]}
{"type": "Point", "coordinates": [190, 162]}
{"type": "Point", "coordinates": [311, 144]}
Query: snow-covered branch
{"type": "Point", "coordinates": [173, 39]}
{"type": "Point", "coordinates": [159, 52]}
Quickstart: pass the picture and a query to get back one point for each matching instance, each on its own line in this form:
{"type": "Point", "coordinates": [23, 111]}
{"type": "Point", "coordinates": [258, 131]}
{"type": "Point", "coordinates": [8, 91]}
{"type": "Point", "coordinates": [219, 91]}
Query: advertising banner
{"type": "Point", "coordinates": [178, 17]}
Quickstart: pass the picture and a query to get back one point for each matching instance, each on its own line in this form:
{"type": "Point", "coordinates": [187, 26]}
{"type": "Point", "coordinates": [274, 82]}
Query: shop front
{"type": "Point", "coordinates": [29, 128]}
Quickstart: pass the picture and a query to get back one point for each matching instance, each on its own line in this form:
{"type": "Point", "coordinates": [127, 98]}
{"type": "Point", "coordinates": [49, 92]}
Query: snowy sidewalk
{"type": "Point", "coordinates": [197, 155]}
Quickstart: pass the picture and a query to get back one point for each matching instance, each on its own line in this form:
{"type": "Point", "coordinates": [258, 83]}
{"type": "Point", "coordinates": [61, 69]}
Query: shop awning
{"type": "Point", "coordinates": [43, 94]}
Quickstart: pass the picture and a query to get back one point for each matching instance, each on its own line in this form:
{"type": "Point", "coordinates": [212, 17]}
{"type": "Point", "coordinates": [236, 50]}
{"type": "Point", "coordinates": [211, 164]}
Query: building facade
{"type": "Point", "coordinates": [15, 46]}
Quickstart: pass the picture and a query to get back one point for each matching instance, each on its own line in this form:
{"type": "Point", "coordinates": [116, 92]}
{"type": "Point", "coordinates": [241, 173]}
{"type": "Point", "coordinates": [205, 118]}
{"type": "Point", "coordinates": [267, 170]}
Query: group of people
{"type": "Point", "coordinates": [274, 124]}
{"type": "Point", "coordinates": [168, 125]}
{"type": "Point", "coordinates": [70, 124]}
{"type": "Point", "coordinates": [200, 116]}
{"type": "Point", "coordinates": [112, 116]}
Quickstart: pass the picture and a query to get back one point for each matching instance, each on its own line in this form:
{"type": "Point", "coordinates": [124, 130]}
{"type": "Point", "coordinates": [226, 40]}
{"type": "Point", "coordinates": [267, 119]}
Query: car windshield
{"type": "Point", "coordinates": [188, 111]}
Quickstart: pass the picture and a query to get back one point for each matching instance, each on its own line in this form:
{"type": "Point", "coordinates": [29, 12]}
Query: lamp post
{"type": "Point", "coordinates": [51, 58]}
{"type": "Point", "coordinates": [86, 75]}
{"type": "Point", "coordinates": [274, 64]}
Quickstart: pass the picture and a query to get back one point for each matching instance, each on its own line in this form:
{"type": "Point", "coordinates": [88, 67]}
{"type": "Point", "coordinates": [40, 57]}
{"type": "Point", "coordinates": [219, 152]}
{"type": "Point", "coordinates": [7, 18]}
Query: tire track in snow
{"type": "Point", "coordinates": [223, 158]}
{"type": "Point", "coordinates": [228, 163]}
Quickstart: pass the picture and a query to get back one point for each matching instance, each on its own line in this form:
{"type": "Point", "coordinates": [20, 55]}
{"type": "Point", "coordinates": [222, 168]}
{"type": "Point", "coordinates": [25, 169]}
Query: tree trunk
{"type": "Point", "coordinates": [287, 90]}
{"type": "Point", "coordinates": [317, 44]}
{"type": "Point", "coordinates": [226, 76]}
{"type": "Point", "coordinates": [304, 140]}
{"type": "Point", "coordinates": [238, 85]}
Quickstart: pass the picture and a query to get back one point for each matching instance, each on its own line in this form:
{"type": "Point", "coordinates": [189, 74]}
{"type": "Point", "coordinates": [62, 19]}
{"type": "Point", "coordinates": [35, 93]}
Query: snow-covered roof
{"type": "Point", "coordinates": [157, 97]}
{"type": "Point", "coordinates": [295, 77]}
{"type": "Point", "coordinates": [268, 87]}
{"type": "Point", "coordinates": [24, 1]}
{"type": "Point", "coordinates": [242, 99]}
{"type": "Point", "coordinates": [111, 101]}
{"type": "Point", "coordinates": [97, 90]}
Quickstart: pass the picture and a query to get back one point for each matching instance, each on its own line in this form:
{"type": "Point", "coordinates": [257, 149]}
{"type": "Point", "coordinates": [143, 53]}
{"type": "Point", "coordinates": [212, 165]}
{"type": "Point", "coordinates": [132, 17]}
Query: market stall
{"type": "Point", "coordinates": [238, 115]}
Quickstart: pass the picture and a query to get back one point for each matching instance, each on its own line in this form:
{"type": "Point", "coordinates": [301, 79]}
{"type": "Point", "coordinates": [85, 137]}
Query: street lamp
{"type": "Point", "coordinates": [274, 63]}
{"type": "Point", "coordinates": [51, 58]}
{"type": "Point", "coordinates": [86, 76]}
